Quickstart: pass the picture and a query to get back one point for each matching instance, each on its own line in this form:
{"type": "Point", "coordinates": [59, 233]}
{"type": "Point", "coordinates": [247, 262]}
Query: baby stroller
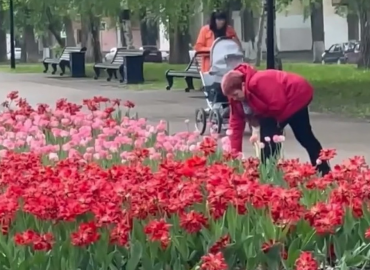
{"type": "Point", "coordinates": [225, 55]}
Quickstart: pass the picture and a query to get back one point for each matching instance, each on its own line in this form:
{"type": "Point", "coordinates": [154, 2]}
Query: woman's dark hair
{"type": "Point", "coordinates": [218, 15]}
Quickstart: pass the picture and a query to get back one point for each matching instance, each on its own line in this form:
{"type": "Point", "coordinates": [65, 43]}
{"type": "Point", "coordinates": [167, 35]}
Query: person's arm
{"type": "Point", "coordinates": [201, 44]}
{"type": "Point", "coordinates": [236, 126]}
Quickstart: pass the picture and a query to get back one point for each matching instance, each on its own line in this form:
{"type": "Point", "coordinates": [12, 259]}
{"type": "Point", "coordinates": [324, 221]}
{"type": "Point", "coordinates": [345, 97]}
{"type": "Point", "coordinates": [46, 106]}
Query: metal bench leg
{"type": "Point", "coordinates": [46, 66]}
{"type": "Point", "coordinates": [54, 67]}
{"type": "Point", "coordinates": [122, 74]}
{"type": "Point", "coordinates": [169, 80]}
{"type": "Point", "coordinates": [110, 74]}
{"type": "Point", "coordinates": [97, 73]}
{"type": "Point", "coordinates": [115, 74]}
{"type": "Point", "coordinates": [189, 83]}
{"type": "Point", "coordinates": [62, 66]}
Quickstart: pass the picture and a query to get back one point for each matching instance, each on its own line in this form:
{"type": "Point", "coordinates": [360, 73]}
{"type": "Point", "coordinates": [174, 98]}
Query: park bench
{"type": "Point", "coordinates": [117, 63]}
{"type": "Point", "coordinates": [192, 71]}
{"type": "Point", "coordinates": [62, 61]}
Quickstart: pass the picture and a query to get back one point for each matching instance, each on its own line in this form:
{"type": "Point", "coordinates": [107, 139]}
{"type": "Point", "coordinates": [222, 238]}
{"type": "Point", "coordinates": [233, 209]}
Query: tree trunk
{"type": "Point", "coordinates": [122, 35]}
{"type": "Point", "coordinates": [317, 30]}
{"type": "Point", "coordinates": [364, 61]}
{"type": "Point", "coordinates": [148, 30]}
{"type": "Point", "coordinates": [248, 33]}
{"type": "Point", "coordinates": [126, 27]}
{"type": "Point", "coordinates": [261, 31]}
{"type": "Point", "coordinates": [95, 38]}
{"type": "Point", "coordinates": [353, 29]}
{"type": "Point", "coordinates": [179, 46]}
{"type": "Point", "coordinates": [30, 44]}
{"type": "Point", "coordinates": [56, 35]}
{"type": "Point", "coordinates": [3, 43]}
{"type": "Point", "coordinates": [86, 40]}
{"type": "Point", "coordinates": [70, 33]}
{"type": "Point", "coordinates": [53, 28]}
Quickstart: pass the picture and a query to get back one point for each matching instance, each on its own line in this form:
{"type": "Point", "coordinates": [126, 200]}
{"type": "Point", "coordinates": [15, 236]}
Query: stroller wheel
{"type": "Point", "coordinates": [216, 121]}
{"type": "Point", "coordinates": [200, 121]}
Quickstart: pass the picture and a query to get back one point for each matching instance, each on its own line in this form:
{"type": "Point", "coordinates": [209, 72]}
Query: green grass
{"type": "Point", "coordinates": [340, 89]}
{"type": "Point", "coordinates": [153, 74]}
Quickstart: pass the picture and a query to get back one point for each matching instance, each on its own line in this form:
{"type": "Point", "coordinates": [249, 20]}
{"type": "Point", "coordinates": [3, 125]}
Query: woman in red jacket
{"type": "Point", "coordinates": [276, 98]}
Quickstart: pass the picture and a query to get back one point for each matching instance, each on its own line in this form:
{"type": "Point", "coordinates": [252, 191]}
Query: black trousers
{"type": "Point", "coordinates": [300, 124]}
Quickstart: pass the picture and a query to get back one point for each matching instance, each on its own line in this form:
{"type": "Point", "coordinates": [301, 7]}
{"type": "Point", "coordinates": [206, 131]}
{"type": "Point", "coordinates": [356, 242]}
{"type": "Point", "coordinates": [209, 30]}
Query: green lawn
{"type": "Point", "coordinates": [153, 74]}
{"type": "Point", "coordinates": [338, 88]}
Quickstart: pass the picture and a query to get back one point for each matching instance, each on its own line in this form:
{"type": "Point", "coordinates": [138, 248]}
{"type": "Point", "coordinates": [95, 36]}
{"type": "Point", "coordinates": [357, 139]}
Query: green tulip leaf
{"type": "Point", "coordinates": [136, 252]}
{"type": "Point", "coordinates": [293, 252]}
{"type": "Point", "coordinates": [354, 261]}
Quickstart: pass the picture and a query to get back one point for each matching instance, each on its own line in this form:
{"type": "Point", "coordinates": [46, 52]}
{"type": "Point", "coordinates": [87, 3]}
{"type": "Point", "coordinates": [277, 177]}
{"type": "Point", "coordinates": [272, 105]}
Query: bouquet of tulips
{"type": "Point", "coordinates": [98, 189]}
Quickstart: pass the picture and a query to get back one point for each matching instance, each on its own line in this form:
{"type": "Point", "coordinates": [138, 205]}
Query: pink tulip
{"type": "Point", "coordinates": [229, 132]}
{"type": "Point", "coordinates": [53, 157]}
{"type": "Point", "coordinates": [253, 139]}
{"type": "Point", "coordinates": [87, 156]}
{"type": "Point", "coordinates": [3, 153]}
{"type": "Point", "coordinates": [276, 138]}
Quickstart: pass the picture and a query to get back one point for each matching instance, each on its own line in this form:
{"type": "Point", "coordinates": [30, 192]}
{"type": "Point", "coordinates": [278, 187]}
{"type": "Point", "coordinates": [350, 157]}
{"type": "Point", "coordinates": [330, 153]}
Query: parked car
{"type": "Point", "coordinates": [18, 52]}
{"type": "Point", "coordinates": [354, 56]}
{"type": "Point", "coordinates": [341, 53]}
{"type": "Point", "coordinates": [109, 56]}
{"type": "Point", "coordinates": [152, 54]}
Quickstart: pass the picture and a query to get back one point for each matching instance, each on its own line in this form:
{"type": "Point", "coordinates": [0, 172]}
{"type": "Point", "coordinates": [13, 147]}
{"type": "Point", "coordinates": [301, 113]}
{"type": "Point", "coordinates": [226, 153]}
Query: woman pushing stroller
{"type": "Point", "coordinates": [217, 27]}
{"type": "Point", "coordinates": [277, 98]}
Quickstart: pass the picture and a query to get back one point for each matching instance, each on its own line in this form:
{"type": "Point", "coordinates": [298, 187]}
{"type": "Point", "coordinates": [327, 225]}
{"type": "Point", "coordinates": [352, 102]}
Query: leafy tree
{"type": "Point", "coordinates": [358, 11]}
{"type": "Point", "coordinates": [314, 10]}
{"type": "Point", "coordinates": [3, 43]}
{"type": "Point", "coordinates": [362, 8]}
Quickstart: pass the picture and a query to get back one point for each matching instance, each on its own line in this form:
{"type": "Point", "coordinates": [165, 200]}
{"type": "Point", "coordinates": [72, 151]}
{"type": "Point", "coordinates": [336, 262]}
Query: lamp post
{"type": "Point", "coordinates": [270, 35]}
{"type": "Point", "coordinates": [12, 37]}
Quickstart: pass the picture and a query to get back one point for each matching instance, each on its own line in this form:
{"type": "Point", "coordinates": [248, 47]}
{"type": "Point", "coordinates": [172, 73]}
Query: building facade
{"type": "Point", "coordinates": [293, 31]}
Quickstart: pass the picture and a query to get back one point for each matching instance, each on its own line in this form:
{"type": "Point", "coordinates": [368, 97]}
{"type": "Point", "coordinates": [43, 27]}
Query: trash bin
{"type": "Point", "coordinates": [133, 69]}
{"type": "Point", "coordinates": [77, 64]}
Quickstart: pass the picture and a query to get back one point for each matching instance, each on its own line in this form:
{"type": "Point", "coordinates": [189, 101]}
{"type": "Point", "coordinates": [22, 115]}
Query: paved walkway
{"type": "Point", "coordinates": [347, 136]}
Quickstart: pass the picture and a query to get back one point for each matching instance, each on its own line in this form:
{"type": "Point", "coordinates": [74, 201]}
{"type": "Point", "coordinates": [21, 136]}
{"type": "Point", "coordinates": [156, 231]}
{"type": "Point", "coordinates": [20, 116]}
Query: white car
{"type": "Point", "coordinates": [109, 56]}
{"type": "Point", "coordinates": [18, 52]}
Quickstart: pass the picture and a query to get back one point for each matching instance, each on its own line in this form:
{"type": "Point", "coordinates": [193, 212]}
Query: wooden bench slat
{"type": "Point", "coordinates": [62, 60]}
{"type": "Point", "coordinates": [52, 60]}
{"type": "Point", "coordinates": [192, 68]}
{"type": "Point", "coordinates": [64, 55]}
{"type": "Point", "coordinates": [180, 74]}
{"type": "Point", "coordinates": [119, 56]}
{"type": "Point", "coordinates": [192, 71]}
{"type": "Point", "coordinates": [107, 65]}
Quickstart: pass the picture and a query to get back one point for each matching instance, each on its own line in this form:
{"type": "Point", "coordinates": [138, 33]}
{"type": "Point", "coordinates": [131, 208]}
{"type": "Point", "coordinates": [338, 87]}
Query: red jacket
{"type": "Point", "coordinates": [269, 93]}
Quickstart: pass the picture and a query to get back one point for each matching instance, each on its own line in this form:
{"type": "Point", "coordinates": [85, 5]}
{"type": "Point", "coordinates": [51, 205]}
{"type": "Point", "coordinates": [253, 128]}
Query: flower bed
{"type": "Point", "coordinates": [98, 190]}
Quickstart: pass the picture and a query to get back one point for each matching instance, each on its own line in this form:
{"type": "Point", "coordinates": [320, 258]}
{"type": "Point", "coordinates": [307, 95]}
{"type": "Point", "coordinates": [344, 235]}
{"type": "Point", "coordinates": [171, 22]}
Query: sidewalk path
{"type": "Point", "coordinates": [346, 135]}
